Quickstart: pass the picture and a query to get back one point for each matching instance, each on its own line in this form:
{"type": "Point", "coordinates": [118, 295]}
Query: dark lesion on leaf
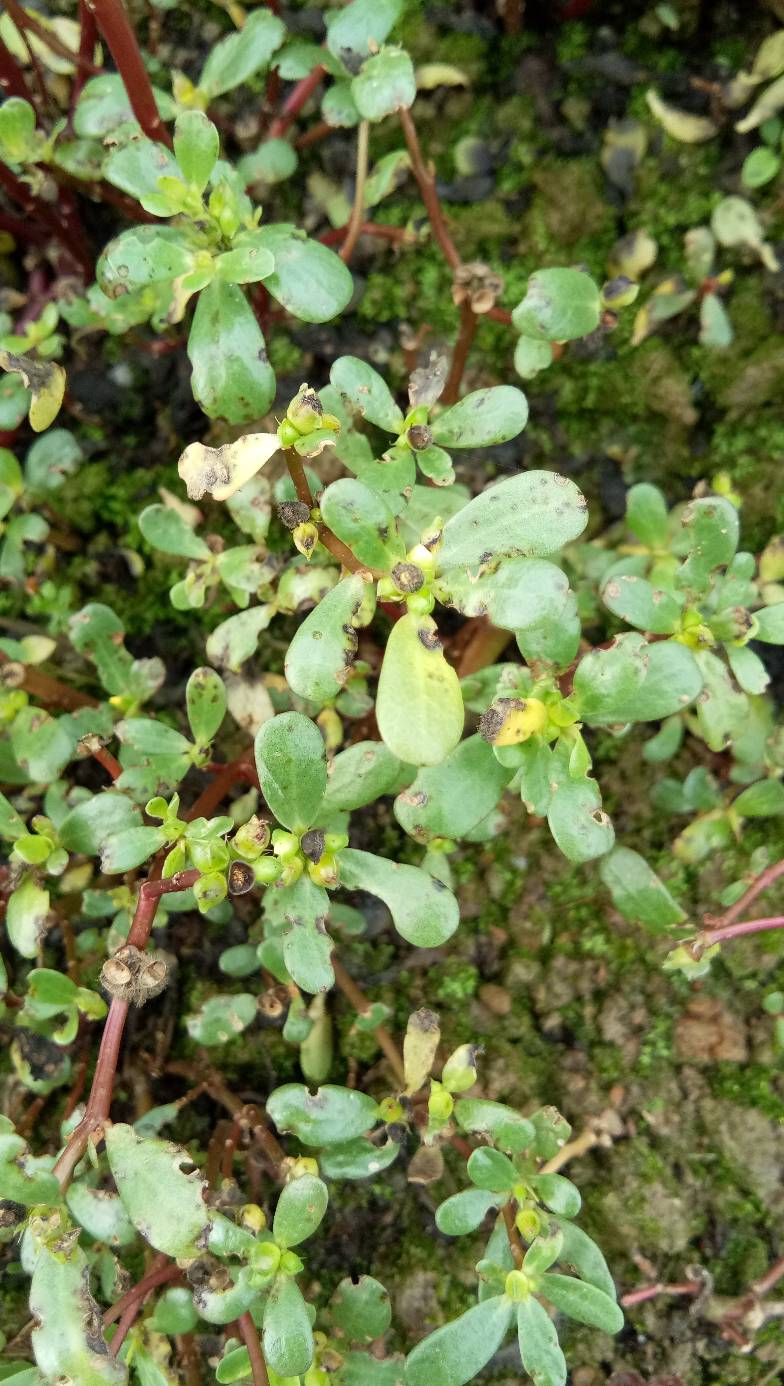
{"type": "Point", "coordinates": [429, 638]}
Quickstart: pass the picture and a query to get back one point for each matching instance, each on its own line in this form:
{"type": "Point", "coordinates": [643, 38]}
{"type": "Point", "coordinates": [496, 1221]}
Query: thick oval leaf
{"type": "Point", "coordinates": [582, 1302]}
{"type": "Point", "coordinates": [292, 766]}
{"type": "Point", "coordinates": [646, 514]}
{"type": "Point", "coordinates": [362, 26]}
{"type": "Point", "coordinates": [359, 1159]}
{"type": "Point", "coordinates": [205, 696]}
{"type": "Point", "coordinates": [528, 516]}
{"type": "Point", "coordinates": [129, 848]}
{"type": "Point", "coordinates": [101, 1214]}
{"type": "Point", "coordinates": [86, 827]}
{"type": "Point", "coordinates": [104, 104]}
{"type": "Point", "coordinates": [361, 1311]}
{"type": "Point", "coordinates": [558, 1194]}
{"type": "Point", "coordinates": [465, 1211]}
{"type": "Point", "coordinates": [287, 1334]}
{"type": "Point", "coordinates": [330, 1116]}
{"type": "Point", "coordinates": [713, 528]}
{"type": "Point", "coordinates": [362, 519]}
{"type": "Point", "coordinates": [578, 1250]}
{"type": "Point", "coordinates": [607, 678]}
{"type": "Point", "coordinates": [770, 624]}
{"type": "Point", "coordinates": [641, 604]}
{"type": "Point", "coordinates": [455, 1353]}
{"type": "Point", "coordinates": [559, 305]}
{"type": "Point", "coordinates": [146, 255]}
{"type": "Point", "coordinates": [26, 916]}
{"type": "Point", "coordinates": [235, 640]}
{"type": "Point", "coordinates": [485, 417]}
{"type": "Point", "coordinates": [309, 280]}
{"type": "Point", "coordinates": [363, 773]}
{"type": "Point", "coordinates": [232, 378]}
{"type": "Point", "coordinates": [490, 1169]}
{"type": "Point", "coordinates": [637, 891]}
{"type": "Point", "coordinates": [423, 911]}
{"type": "Point", "coordinates": [239, 56]}
{"type": "Point", "coordinates": [537, 1338]}
{"type": "Point", "coordinates": [577, 821]}
{"type": "Point", "coordinates": [63, 1311]}
{"type": "Point", "coordinates": [385, 83]}
{"type": "Point", "coordinates": [367, 391]}
{"type": "Point", "coordinates": [166, 530]}
{"type": "Point", "coordinates": [221, 1018]}
{"type": "Point", "coordinates": [419, 706]}
{"type": "Point", "coordinates": [307, 947]}
{"type": "Point", "coordinates": [672, 681]}
{"type": "Point", "coordinates": [164, 1204]}
{"type": "Point", "coordinates": [299, 1210]}
{"type": "Point", "coordinates": [448, 800]}
{"type": "Point", "coordinates": [722, 712]}
{"type": "Point", "coordinates": [501, 1124]}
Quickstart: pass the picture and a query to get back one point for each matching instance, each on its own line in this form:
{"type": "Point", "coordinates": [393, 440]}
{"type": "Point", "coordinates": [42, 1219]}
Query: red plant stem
{"type": "Point", "coordinates": [646, 1292]}
{"type": "Point", "coordinates": [250, 1337]}
{"type": "Point", "coordinates": [499, 315]}
{"type": "Point", "coordinates": [12, 78]}
{"type": "Point", "coordinates": [427, 187]}
{"type": "Point", "coordinates": [398, 235]}
{"type": "Point", "coordinates": [358, 210]}
{"type": "Point", "coordinates": [99, 1101]}
{"type": "Point", "coordinates": [47, 690]}
{"type": "Point", "coordinates": [317, 132]}
{"type": "Point", "coordinates": [161, 1272]}
{"type": "Point", "coordinates": [88, 37]}
{"type": "Point", "coordinates": [515, 1244]}
{"type": "Point", "coordinates": [109, 762]}
{"type": "Point", "coordinates": [746, 926]}
{"type": "Point", "coordinates": [330, 541]}
{"type": "Point", "coordinates": [226, 776]}
{"type": "Point", "coordinates": [296, 99]}
{"type": "Point", "coordinates": [116, 28]}
{"type": "Point", "coordinates": [763, 882]}
{"type": "Point", "coordinates": [460, 354]}
{"type": "Point", "coordinates": [62, 230]}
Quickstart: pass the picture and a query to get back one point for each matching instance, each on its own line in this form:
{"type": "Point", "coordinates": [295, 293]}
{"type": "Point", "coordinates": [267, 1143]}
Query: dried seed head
{"type": "Point", "coordinates": [293, 513]}
{"type": "Point", "coordinates": [274, 1002]}
{"type": "Point", "coordinates": [241, 878]}
{"type": "Point", "coordinates": [420, 436]}
{"type": "Point", "coordinates": [312, 844]}
{"type": "Point", "coordinates": [408, 577]}
{"type": "Point", "coordinates": [151, 980]}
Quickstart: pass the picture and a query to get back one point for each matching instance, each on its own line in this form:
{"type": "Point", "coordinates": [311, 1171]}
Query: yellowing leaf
{"type": "Point", "coordinates": [681, 125]}
{"type": "Point", "coordinates": [45, 379]}
{"type": "Point", "coordinates": [220, 472]}
{"type": "Point", "coordinates": [431, 75]}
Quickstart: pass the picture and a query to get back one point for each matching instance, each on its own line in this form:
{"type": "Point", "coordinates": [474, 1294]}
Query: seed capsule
{"type": "Point", "coordinates": [241, 878]}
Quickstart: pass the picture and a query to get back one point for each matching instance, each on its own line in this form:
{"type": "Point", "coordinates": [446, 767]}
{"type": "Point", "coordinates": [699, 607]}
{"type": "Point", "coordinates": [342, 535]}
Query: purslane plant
{"type": "Point", "coordinates": [377, 563]}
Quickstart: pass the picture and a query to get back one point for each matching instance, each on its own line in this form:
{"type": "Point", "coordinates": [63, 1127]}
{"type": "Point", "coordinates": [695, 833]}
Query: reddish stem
{"type": "Point", "coordinates": [88, 37]}
{"type": "Point", "coordinates": [296, 99]}
{"type": "Point", "coordinates": [160, 1273]}
{"type": "Point", "coordinates": [641, 1296]}
{"type": "Point", "coordinates": [23, 19]}
{"type": "Point", "coordinates": [12, 78]}
{"type": "Point", "coordinates": [427, 187]}
{"type": "Point", "coordinates": [109, 762]}
{"type": "Point", "coordinates": [460, 355]}
{"type": "Point", "coordinates": [250, 1337]}
{"type": "Point", "coordinates": [64, 230]}
{"type": "Point", "coordinates": [763, 882]}
{"type": "Point", "coordinates": [116, 28]}
{"type": "Point", "coordinates": [50, 691]}
{"type": "Point", "coordinates": [746, 926]}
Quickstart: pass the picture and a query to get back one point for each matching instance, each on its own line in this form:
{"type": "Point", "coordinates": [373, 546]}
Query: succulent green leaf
{"type": "Point", "coordinates": [419, 706]}
{"type": "Point", "coordinates": [532, 355]}
{"type": "Point", "coordinates": [455, 1353]}
{"type": "Point", "coordinates": [86, 828]}
{"type": "Point", "coordinates": [26, 915]}
{"type": "Point", "coordinates": [536, 775]}
{"type": "Point", "coordinates": [765, 799]}
{"type": "Point", "coordinates": [299, 1210]}
{"type": "Point", "coordinates": [135, 168]}
{"type": "Point", "coordinates": [559, 306]}
{"type": "Point", "coordinates": [273, 161]}
{"type": "Point", "coordinates": [232, 378]}
{"type": "Point", "coordinates": [196, 147]}
{"type": "Point", "coordinates": [163, 1203]}
{"type": "Point", "coordinates": [292, 766]}
{"type": "Point", "coordinates": [770, 624]}
{"type": "Point", "coordinates": [239, 56]}
{"type": "Point", "coordinates": [287, 1335]}
{"type": "Point", "coordinates": [362, 26]}
{"type": "Point", "coordinates": [174, 1312]}
{"type": "Point", "coordinates": [63, 1310]}
{"type": "Point", "coordinates": [580, 1251]}
{"type": "Point", "coordinates": [721, 710]}
{"type": "Point", "coordinates": [480, 419]}
{"type": "Point", "coordinates": [331, 1116]}
{"type": "Point", "coordinates": [362, 519]}
{"type": "Point", "coordinates": [205, 696]}
{"type": "Point", "coordinates": [368, 392]}
{"type": "Point", "coordinates": [24, 1178]}
{"type": "Point", "coordinates": [51, 458]}
{"type": "Point", "coordinates": [361, 1310]}
{"type": "Point", "coordinates": [101, 1214]}
{"type": "Point", "coordinates": [490, 1169]}
{"type": "Point", "coordinates": [247, 262]}
{"type": "Point", "coordinates": [465, 1211]}
{"type": "Point", "coordinates": [307, 947]}
{"type": "Point", "coordinates": [385, 83]}
{"type": "Point", "coordinates": [363, 773]}
{"type": "Point", "coordinates": [40, 743]}
{"type": "Point", "coordinates": [104, 104]}
{"type": "Point", "coordinates": [222, 1018]}
{"type": "Point", "coordinates": [309, 280]}
{"type": "Point", "coordinates": [537, 1338]}
{"type": "Point", "coordinates": [499, 1123]}
{"type": "Point", "coordinates": [423, 911]}
{"type": "Point", "coordinates": [129, 848]}
{"type": "Point", "coordinates": [11, 825]}
{"type": "Point", "coordinates": [748, 669]}
{"type": "Point", "coordinates": [529, 516]}
{"type": "Point", "coordinates": [358, 1159]}
{"type": "Point", "coordinates": [235, 640]}
{"type": "Point", "coordinates": [558, 1194]}
{"type": "Point", "coordinates": [642, 605]}
{"type": "Point", "coordinates": [338, 106]}
{"type": "Point", "coordinates": [637, 891]}
{"type": "Point", "coordinates": [448, 800]}
{"type": "Point", "coordinates": [607, 678]}
{"type": "Point", "coordinates": [646, 515]}
{"type": "Point", "coordinates": [577, 821]}
{"type": "Point", "coordinates": [712, 526]}
{"type": "Point", "coordinates": [672, 680]}
{"type": "Point", "coordinates": [582, 1302]}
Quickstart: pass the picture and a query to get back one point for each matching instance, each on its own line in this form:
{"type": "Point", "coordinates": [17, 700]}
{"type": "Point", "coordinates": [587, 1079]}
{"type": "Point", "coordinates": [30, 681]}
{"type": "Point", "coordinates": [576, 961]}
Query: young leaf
{"type": "Point", "coordinates": [448, 800]}
{"type": "Point", "coordinates": [529, 515]}
{"type": "Point", "coordinates": [232, 378]}
{"type": "Point", "coordinates": [292, 767]}
{"type": "Point", "coordinates": [309, 280]}
{"type": "Point", "coordinates": [641, 604]}
{"type": "Point", "coordinates": [299, 1210]}
{"type": "Point", "coordinates": [502, 1125]}
{"type": "Point", "coordinates": [465, 1211]}
{"type": "Point", "coordinates": [358, 1159]}
{"type": "Point", "coordinates": [671, 681]}
{"type": "Point", "coordinates": [235, 640]}
{"type": "Point", "coordinates": [480, 419]}
{"type": "Point", "coordinates": [385, 83]}
{"type": "Point", "coordinates": [646, 515]}
{"type": "Point", "coordinates": [423, 911]}
{"type": "Point", "coordinates": [26, 915]}
{"type": "Point", "coordinates": [205, 696]}
{"type": "Point", "coordinates": [765, 799]}
{"type": "Point", "coordinates": [362, 26]}
{"type": "Point", "coordinates": [419, 706]}
{"type": "Point", "coordinates": [770, 624]}
{"type": "Point", "coordinates": [307, 947]}
{"type": "Point", "coordinates": [135, 168]}
{"type": "Point", "coordinates": [319, 659]}
{"type": "Point", "coordinates": [578, 1250]}
{"type": "Point", "coordinates": [558, 1194]}
{"type": "Point", "coordinates": [222, 1018]}
{"type": "Point", "coordinates": [559, 305]}
{"type": "Point", "coordinates": [455, 1353]}
{"type": "Point", "coordinates": [86, 828]}
{"type": "Point", "coordinates": [196, 146]}
{"type": "Point", "coordinates": [166, 530]}
{"type": "Point", "coordinates": [577, 822]}
{"type": "Point", "coordinates": [713, 527]}
{"type": "Point", "coordinates": [537, 1338]}
{"type": "Point", "coordinates": [163, 1203]}
{"type": "Point", "coordinates": [360, 517]}
{"type": "Point", "coordinates": [361, 1310]}
{"type": "Point", "coordinates": [329, 1117]}
{"type": "Point", "coordinates": [363, 773]}
{"type": "Point", "coordinates": [582, 1302]}
{"type": "Point", "coordinates": [490, 1169]}
{"type": "Point", "coordinates": [637, 891]}
{"type": "Point", "coordinates": [368, 392]}
{"type": "Point", "coordinates": [287, 1334]}
{"type": "Point", "coordinates": [239, 56]}
{"type": "Point", "coordinates": [607, 678]}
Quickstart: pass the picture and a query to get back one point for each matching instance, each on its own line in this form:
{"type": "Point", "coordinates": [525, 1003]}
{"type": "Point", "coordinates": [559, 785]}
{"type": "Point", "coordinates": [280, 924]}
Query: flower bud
{"type": "Point", "coordinates": [324, 872]}
{"type": "Point", "coordinates": [266, 870]}
{"type": "Point", "coordinates": [305, 538]}
{"type": "Point", "coordinates": [306, 412]}
{"type": "Point", "coordinates": [253, 1217]}
{"type": "Point", "coordinates": [517, 1286]}
{"type": "Point", "coordinates": [284, 844]}
{"type": "Point", "coordinates": [528, 1223]}
{"type": "Point", "coordinates": [252, 838]}
{"type": "Point", "coordinates": [459, 1071]}
{"type": "Point", "coordinates": [440, 1104]}
{"type": "Point", "coordinates": [421, 603]}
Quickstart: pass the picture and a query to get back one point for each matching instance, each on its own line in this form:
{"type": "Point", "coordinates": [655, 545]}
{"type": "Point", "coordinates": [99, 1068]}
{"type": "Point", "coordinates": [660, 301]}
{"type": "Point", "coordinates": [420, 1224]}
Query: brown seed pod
{"type": "Point", "coordinates": [312, 844]}
{"type": "Point", "coordinates": [420, 437]}
{"type": "Point", "coordinates": [133, 976]}
{"type": "Point", "coordinates": [241, 878]}
{"type": "Point", "coordinates": [293, 513]}
{"type": "Point", "coordinates": [408, 577]}
{"type": "Point", "coordinates": [152, 978]}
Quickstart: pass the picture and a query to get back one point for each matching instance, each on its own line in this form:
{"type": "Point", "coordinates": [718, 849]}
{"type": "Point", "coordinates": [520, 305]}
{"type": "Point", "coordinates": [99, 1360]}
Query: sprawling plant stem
{"type": "Point", "coordinates": [330, 541]}
{"type": "Point", "coordinates": [100, 1098]}
{"type": "Point", "coordinates": [296, 99]}
{"type": "Point", "coordinates": [250, 1338]}
{"type": "Point", "coordinates": [26, 20]}
{"type": "Point", "coordinates": [51, 692]}
{"type": "Point", "coordinates": [427, 187]}
{"type": "Point", "coordinates": [63, 228]}
{"type": "Point", "coordinates": [116, 28]}
{"type": "Point", "coordinates": [12, 81]}
{"type": "Point", "coordinates": [361, 1005]}
{"type": "Point", "coordinates": [468, 321]}
{"type": "Point", "coordinates": [358, 210]}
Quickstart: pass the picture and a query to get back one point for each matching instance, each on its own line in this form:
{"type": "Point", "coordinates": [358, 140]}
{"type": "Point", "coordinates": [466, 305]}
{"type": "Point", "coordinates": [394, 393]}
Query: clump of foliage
{"type": "Point", "coordinates": [450, 654]}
